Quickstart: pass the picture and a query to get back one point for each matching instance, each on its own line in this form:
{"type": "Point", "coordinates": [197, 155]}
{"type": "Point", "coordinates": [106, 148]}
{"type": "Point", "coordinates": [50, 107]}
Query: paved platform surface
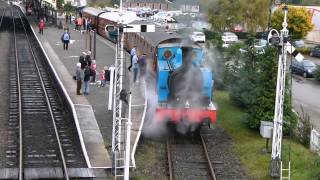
{"type": "Point", "coordinates": [94, 119]}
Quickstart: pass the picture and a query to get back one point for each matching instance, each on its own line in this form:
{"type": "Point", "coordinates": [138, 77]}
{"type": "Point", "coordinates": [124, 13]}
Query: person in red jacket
{"type": "Point", "coordinates": [41, 26]}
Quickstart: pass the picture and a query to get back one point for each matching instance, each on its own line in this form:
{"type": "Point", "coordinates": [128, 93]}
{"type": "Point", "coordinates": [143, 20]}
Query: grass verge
{"type": "Point", "coordinates": [150, 161]}
{"type": "Point", "coordinates": [248, 145]}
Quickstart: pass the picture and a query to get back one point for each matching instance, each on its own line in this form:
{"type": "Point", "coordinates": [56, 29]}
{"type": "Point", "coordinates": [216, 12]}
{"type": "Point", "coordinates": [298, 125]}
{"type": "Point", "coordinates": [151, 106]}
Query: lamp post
{"type": "Point", "coordinates": [282, 41]}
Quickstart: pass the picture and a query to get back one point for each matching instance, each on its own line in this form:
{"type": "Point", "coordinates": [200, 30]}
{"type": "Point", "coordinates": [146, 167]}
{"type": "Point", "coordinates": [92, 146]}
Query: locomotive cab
{"type": "Point", "coordinates": [111, 33]}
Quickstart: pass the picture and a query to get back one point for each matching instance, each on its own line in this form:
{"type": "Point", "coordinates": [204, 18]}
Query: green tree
{"type": "Point", "coordinates": [255, 14]}
{"type": "Point", "coordinates": [225, 14]}
{"type": "Point", "coordinates": [68, 8]}
{"type": "Point", "coordinates": [299, 21]}
{"type": "Point", "coordinates": [60, 3]}
{"type": "Point", "coordinates": [252, 85]}
{"type": "Point", "coordinates": [262, 107]}
{"type": "Point", "coordinates": [241, 76]}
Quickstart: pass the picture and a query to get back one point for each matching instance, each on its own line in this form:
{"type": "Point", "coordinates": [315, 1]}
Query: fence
{"type": "Point", "coordinates": [315, 140]}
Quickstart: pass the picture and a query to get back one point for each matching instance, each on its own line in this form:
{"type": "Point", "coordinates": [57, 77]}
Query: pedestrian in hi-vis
{"type": "Point", "coordinates": [65, 38]}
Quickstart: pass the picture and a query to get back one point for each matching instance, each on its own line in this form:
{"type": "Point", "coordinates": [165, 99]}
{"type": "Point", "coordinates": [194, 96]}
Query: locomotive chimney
{"type": "Point", "coordinates": [187, 56]}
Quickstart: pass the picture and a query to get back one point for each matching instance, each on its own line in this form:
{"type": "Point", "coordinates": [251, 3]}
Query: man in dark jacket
{"type": "Point", "coordinates": [86, 80]}
{"type": "Point", "coordinates": [78, 78]}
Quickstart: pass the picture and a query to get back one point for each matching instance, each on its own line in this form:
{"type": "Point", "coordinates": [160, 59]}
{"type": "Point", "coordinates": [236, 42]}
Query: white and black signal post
{"type": "Point", "coordinates": [282, 41]}
{"type": "Point", "coordinates": [122, 125]}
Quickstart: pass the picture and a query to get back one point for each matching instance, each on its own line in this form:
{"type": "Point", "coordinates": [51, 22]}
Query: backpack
{"type": "Point", "coordinates": [66, 36]}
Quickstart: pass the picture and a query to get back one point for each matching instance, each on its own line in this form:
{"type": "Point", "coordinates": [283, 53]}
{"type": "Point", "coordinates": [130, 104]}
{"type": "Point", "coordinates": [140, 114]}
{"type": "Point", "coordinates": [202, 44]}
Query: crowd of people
{"type": "Point", "coordinates": [86, 72]}
{"type": "Point", "coordinates": [138, 64]}
{"type": "Point", "coordinates": [83, 23]}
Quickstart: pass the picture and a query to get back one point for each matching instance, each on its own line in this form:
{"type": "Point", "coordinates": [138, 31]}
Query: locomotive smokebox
{"type": "Point", "coordinates": [186, 82]}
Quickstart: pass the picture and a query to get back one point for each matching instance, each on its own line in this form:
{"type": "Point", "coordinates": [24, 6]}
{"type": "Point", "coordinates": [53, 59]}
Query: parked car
{"type": "Point", "coordinates": [197, 37]}
{"type": "Point", "coordinates": [315, 51]}
{"type": "Point", "coordinates": [259, 50]}
{"type": "Point", "coordinates": [229, 37]}
{"type": "Point", "coordinates": [298, 43]}
{"type": "Point", "coordinates": [260, 43]}
{"type": "Point", "coordinates": [305, 68]}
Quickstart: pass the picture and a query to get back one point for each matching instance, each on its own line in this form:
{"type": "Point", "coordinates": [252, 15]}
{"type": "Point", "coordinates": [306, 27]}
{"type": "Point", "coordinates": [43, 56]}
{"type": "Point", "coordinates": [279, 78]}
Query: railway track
{"type": "Point", "coordinates": [42, 137]}
{"type": "Point", "coordinates": [188, 159]}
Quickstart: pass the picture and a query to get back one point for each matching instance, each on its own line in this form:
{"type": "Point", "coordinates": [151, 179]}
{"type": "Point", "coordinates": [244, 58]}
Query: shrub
{"type": "Point", "coordinates": [251, 79]}
{"type": "Point", "coordinates": [317, 73]}
{"type": "Point", "coordinates": [304, 50]}
{"type": "Point", "coordinates": [242, 35]}
{"type": "Point", "coordinates": [304, 128]}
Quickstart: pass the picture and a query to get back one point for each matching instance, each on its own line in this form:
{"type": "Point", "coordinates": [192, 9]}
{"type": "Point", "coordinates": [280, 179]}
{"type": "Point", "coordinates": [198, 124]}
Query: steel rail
{"type": "Point", "coordinates": [4, 11]}
{"type": "Point", "coordinates": [213, 175]}
{"type": "Point", "coordinates": [20, 103]}
{"type": "Point", "coordinates": [169, 160]}
{"type": "Point", "coordinates": [66, 176]}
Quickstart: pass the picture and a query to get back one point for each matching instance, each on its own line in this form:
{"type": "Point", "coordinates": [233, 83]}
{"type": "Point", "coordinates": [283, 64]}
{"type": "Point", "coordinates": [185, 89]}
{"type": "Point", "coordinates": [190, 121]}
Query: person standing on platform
{"type": "Point", "coordinates": [82, 60]}
{"type": "Point", "coordinates": [86, 80]}
{"type": "Point", "coordinates": [65, 39]}
{"type": "Point", "coordinates": [78, 78]}
{"type": "Point", "coordinates": [101, 78]}
{"type": "Point", "coordinates": [93, 69]}
{"type": "Point", "coordinates": [135, 67]}
{"type": "Point", "coordinates": [76, 24]}
{"type": "Point", "coordinates": [106, 74]}
{"type": "Point", "coordinates": [41, 26]}
{"type": "Point", "coordinates": [89, 23]}
{"type": "Point", "coordinates": [79, 23]}
{"type": "Point", "coordinates": [142, 65]}
{"type": "Point", "coordinates": [87, 58]}
{"type": "Point", "coordinates": [132, 53]}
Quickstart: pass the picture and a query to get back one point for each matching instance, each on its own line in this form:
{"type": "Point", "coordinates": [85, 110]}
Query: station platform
{"type": "Point", "coordinates": [90, 111]}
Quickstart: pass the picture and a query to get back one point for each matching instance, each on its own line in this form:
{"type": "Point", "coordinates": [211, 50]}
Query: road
{"type": "Point", "coordinates": [306, 94]}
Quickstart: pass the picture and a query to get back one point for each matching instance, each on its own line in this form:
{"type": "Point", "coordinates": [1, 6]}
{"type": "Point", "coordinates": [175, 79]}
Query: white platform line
{"type": "Point", "coordinates": [82, 105]}
{"type": "Point", "coordinates": [140, 129]}
{"type": "Point", "coordinates": [137, 105]}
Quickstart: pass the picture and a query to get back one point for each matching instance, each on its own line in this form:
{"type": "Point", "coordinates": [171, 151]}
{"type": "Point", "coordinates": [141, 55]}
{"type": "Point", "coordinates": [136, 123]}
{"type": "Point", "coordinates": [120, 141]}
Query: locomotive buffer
{"type": "Point", "coordinates": [121, 129]}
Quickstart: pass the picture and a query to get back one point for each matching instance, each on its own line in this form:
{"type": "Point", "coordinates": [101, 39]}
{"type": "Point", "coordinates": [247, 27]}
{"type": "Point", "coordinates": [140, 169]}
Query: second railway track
{"type": "Point", "coordinates": [42, 138]}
